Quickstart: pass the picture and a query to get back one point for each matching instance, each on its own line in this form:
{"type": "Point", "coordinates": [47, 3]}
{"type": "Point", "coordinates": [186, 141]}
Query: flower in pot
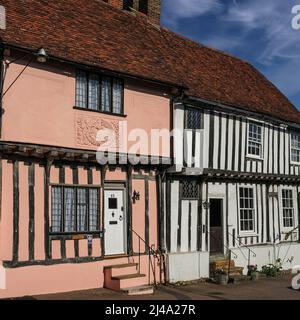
{"type": "Point", "coordinates": [221, 277]}
{"type": "Point", "coordinates": [253, 272]}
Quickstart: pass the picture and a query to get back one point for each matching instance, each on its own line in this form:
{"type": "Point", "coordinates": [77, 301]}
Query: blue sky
{"type": "Point", "coordinates": [258, 31]}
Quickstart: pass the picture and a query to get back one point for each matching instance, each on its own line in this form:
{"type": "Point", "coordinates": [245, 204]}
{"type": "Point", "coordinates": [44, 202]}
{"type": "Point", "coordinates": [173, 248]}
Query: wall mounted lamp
{"type": "Point", "coordinates": [136, 196]}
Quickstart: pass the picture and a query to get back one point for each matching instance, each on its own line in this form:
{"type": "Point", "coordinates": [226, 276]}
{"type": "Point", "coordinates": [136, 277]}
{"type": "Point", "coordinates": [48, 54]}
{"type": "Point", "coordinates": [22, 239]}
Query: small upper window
{"type": "Point", "coordinates": [143, 6]}
{"type": "Point", "coordinates": [193, 118]}
{"type": "Point", "coordinates": [98, 93]}
{"type": "Point", "coordinates": [127, 4]}
{"type": "Point", "coordinates": [255, 147]}
{"type": "Point", "coordinates": [295, 148]}
{"type": "Point", "coordinates": [190, 190]}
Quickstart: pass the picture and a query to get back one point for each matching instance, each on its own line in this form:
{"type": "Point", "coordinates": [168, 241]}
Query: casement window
{"type": "Point", "coordinates": [295, 148]}
{"type": "Point", "coordinates": [74, 209]}
{"type": "Point", "coordinates": [255, 140]}
{"type": "Point", "coordinates": [287, 208]}
{"type": "Point", "coordinates": [189, 190]}
{"type": "Point", "coordinates": [193, 119]}
{"type": "Point", "coordinates": [247, 209]}
{"type": "Point", "coordinates": [127, 4]}
{"type": "Point", "coordinates": [99, 93]}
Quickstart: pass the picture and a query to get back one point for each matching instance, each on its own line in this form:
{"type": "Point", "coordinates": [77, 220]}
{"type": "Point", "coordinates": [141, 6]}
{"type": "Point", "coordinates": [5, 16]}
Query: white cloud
{"type": "Point", "coordinates": [271, 19]}
{"type": "Point", "coordinates": [182, 9]}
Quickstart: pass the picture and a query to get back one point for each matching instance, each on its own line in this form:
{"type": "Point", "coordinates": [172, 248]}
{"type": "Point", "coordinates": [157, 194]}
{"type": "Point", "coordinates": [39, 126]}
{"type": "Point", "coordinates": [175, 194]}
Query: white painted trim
{"type": "Point", "coordinates": [254, 232]}
{"type": "Point", "coordinates": [290, 139]}
{"type": "Point", "coordinates": [287, 229]}
{"type": "Point", "coordinates": [261, 157]}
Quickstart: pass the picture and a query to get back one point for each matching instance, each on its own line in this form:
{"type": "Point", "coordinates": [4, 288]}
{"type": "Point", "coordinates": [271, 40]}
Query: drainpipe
{"type": "Point", "coordinates": [2, 76]}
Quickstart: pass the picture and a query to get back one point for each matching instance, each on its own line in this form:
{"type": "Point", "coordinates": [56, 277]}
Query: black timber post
{"type": "Point", "coordinates": [129, 209]}
{"type": "Point", "coordinates": [16, 211]}
{"type": "Point", "coordinates": [160, 211]}
{"type": "Point", "coordinates": [46, 208]}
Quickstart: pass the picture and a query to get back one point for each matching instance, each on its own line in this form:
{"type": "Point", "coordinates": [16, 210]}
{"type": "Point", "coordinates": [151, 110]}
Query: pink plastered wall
{"type": "Point", "coordinates": [35, 280]}
{"type": "Point", "coordinates": [38, 109]}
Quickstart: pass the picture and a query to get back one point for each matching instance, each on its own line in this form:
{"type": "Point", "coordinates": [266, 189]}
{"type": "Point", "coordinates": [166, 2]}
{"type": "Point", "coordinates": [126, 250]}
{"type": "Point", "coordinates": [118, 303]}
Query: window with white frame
{"type": "Point", "coordinates": [247, 209]}
{"type": "Point", "coordinates": [287, 208]}
{"type": "Point", "coordinates": [74, 209]}
{"type": "Point", "coordinates": [255, 138]}
{"type": "Point", "coordinates": [295, 147]}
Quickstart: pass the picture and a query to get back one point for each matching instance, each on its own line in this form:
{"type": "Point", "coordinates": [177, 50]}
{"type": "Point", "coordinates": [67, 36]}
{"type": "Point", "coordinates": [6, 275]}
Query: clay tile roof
{"type": "Point", "coordinates": [94, 33]}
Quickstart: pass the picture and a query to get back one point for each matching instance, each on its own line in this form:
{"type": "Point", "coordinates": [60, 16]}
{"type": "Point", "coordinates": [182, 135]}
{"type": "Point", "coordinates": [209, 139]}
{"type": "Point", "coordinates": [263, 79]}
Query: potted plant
{"type": "Point", "coordinates": [253, 272]}
{"type": "Point", "coordinates": [221, 277]}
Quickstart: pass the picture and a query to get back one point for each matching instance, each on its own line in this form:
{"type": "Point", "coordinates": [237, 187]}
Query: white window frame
{"type": "Point", "coordinates": [249, 155]}
{"type": "Point", "coordinates": [295, 134]}
{"type": "Point", "coordinates": [253, 232]}
{"type": "Point", "coordinates": [287, 229]}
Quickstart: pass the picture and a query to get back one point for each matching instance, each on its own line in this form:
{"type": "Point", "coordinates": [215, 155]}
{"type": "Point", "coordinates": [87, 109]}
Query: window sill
{"type": "Point", "coordinates": [293, 163]}
{"type": "Point", "coordinates": [74, 234]}
{"type": "Point", "coordinates": [250, 157]}
{"type": "Point", "coordinates": [248, 234]}
{"type": "Point", "coordinates": [101, 112]}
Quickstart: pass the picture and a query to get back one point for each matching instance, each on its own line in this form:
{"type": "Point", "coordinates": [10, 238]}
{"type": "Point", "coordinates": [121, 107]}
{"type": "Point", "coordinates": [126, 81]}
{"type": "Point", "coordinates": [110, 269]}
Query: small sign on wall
{"type": "Point", "coordinates": [89, 240]}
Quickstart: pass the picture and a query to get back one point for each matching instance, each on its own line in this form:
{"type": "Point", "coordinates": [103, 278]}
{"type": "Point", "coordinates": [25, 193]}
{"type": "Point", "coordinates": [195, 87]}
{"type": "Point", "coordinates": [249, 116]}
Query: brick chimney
{"type": "Point", "coordinates": [150, 8]}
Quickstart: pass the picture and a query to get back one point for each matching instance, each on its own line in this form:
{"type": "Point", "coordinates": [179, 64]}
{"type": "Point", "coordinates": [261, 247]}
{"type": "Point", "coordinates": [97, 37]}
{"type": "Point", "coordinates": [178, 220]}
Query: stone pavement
{"type": "Point", "coordinates": [264, 289]}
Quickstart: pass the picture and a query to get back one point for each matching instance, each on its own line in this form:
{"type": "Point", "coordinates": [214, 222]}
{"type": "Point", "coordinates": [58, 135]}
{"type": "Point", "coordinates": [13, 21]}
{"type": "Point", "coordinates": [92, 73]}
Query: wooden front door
{"type": "Point", "coordinates": [216, 226]}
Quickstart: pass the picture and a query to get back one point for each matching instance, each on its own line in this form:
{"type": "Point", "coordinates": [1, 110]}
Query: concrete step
{"type": "Point", "coordinates": [138, 291]}
{"type": "Point", "coordinates": [221, 264]}
{"type": "Point", "coordinates": [238, 270]}
{"type": "Point", "coordinates": [125, 281]}
{"type": "Point", "coordinates": [120, 269]}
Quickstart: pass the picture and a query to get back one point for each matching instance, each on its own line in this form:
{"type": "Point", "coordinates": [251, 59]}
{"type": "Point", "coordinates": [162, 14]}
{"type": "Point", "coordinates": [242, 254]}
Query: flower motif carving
{"type": "Point", "coordinates": [87, 128]}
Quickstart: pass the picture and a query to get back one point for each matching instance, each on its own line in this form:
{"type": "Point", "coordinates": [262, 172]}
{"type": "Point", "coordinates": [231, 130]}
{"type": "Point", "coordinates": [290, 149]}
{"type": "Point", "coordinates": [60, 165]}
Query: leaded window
{"type": "Point", "coordinates": [99, 93]}
{"type": "Point", "coordinates": [247, 210]}
{"type": "Point", "coordinates": [193, 118]}
{"type": "Point", "coordinates": [288, 208]}
{"type": "Point", "coordinates": [75, 209]}
{"type": "Point", "coordinates": [255, 140]}
{"type": "Point", "coordinates": [189, 190]}
{"type": "Point", "coordinates": [295, 148]}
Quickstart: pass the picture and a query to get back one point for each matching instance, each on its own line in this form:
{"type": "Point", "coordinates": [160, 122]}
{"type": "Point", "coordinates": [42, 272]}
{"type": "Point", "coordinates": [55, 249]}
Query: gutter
{"type": "Point", "coordinates": [88, 66]}
{"type": "Point", "coordinates": [2, 76]}
{"type": "Point", "coordinates": [238, 111]}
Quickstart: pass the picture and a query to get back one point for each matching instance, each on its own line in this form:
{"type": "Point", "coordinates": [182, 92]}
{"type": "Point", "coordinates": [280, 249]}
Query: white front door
{"type": "Point", "coordinates": [114, 221]}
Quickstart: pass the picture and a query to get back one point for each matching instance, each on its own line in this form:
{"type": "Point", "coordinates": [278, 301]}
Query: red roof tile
{"type": "Point", "coordinates": [92, 32]}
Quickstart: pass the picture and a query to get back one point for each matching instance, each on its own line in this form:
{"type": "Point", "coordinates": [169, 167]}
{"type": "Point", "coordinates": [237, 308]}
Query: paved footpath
{"type": "Point", "coordinates": [264, 289]}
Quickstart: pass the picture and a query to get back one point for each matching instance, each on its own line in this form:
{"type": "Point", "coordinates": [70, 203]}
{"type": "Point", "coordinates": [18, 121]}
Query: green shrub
{"type": "Point", "coordinates": [271, 270]}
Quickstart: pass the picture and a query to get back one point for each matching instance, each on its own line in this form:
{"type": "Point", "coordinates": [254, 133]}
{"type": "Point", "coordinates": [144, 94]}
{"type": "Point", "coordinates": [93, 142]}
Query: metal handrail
{"type": "Point", "coordinates": [150, 252]}
{"type": "Point", "coordinates": [242, 245]}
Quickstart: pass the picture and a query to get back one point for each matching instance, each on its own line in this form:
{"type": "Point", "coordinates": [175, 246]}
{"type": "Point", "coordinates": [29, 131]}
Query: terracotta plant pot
{"type": "Point", "coordinates": [222, 279]}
